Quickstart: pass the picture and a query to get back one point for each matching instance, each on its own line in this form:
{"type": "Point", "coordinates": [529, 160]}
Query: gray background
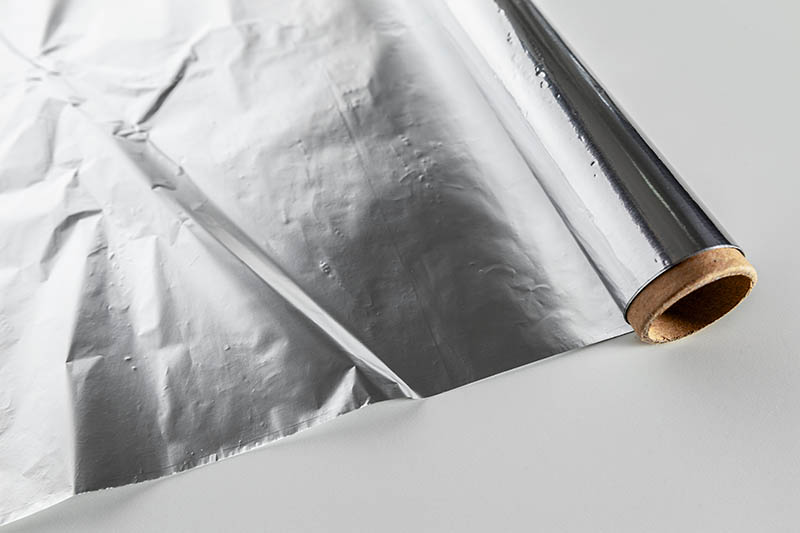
{"type": "Point", "coordinates": [699, 435]}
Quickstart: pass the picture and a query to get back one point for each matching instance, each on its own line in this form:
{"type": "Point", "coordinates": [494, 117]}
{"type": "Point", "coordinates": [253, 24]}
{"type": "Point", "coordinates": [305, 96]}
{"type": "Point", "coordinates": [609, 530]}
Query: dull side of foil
{"type": "Point", "coordinates": [224, 222]}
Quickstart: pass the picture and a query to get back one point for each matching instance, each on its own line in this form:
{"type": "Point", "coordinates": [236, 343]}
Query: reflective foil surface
{"type": "Point", "coordinates": [222, 222]}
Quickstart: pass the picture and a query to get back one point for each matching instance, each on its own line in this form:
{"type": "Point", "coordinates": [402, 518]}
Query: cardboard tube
{"type": "Point", "coordinates": [691, 295]}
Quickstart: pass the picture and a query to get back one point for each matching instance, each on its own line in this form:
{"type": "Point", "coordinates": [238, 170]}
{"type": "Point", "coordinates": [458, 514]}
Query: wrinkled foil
{"type": "Point", "coordinates": [222, 222]}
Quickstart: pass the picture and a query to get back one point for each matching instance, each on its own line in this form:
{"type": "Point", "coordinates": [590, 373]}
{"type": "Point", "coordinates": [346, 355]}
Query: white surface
{"type": "Point", "coordinates": [699, 435]}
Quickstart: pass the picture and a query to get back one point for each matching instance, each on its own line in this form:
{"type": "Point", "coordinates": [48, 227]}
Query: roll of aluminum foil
{"type": "Point", "coordinates": [222, 222]}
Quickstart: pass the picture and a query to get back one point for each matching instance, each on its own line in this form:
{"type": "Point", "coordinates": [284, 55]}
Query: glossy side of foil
{"type": "Point", "coordinates": [622, 202]}
{"type": "Point", "coordinates": [222, 222]}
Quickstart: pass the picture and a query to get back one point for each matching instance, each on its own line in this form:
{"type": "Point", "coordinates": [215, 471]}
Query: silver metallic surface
{"type": "Point", "coordinates": [222, 222]}
{"type": "Point", "coordinates": [621, 201]}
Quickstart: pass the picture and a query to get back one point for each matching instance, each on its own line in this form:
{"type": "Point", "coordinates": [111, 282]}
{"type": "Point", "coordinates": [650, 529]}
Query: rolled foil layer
{"type": "Point", "coordinates": [223, 222]}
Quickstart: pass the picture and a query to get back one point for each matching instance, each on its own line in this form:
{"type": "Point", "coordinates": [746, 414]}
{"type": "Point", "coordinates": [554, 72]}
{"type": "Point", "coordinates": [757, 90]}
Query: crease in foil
{"type": "Point", "coordinates": [223, 222]}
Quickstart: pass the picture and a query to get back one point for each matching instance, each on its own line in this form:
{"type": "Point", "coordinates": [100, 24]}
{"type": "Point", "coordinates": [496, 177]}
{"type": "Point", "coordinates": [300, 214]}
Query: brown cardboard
{"type": "Point", "coordinates": [691, 295]}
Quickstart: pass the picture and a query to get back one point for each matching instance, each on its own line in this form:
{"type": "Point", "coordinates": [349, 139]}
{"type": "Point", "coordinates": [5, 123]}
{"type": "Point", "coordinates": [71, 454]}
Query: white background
{"type": "Point", "coordinates": [699, 435]}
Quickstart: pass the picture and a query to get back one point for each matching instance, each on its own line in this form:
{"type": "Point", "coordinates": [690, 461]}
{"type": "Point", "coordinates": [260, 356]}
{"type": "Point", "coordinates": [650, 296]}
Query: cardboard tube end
{"type": "Point", "coordinates": [691, 295]}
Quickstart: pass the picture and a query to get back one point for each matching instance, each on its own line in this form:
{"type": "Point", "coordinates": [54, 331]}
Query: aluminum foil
{"type": "Point", "coordinates": [222, 222]}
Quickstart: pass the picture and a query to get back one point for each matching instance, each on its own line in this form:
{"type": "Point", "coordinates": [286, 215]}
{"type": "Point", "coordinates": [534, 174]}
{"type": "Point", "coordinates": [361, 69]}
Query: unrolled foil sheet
{"type": "Point", "coordinates": [223, 221]}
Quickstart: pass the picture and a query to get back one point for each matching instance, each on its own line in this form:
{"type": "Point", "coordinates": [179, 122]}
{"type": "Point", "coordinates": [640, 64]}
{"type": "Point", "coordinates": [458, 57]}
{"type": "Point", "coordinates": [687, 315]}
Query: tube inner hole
{"type": "Point", "coordinates": [700, 307]}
